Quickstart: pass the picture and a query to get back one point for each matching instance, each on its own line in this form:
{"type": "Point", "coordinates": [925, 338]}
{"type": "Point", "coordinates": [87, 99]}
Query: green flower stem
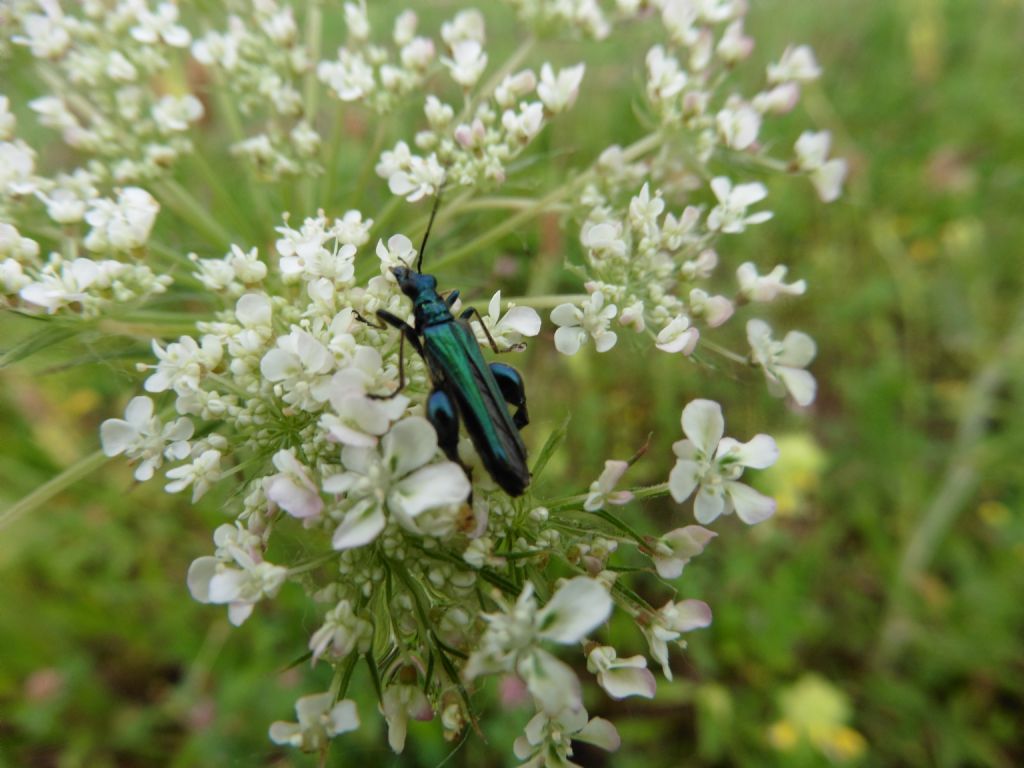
{"type": "Point", "coordinates": [651, 491]}
{"type": "Point", "coordinates": [225, 201]}
{"type": "Point", "coordinates": [77, 471]}
{"type": "Point", "coordinates": [333, 149]}
{"type": "Point", "coordinates": [194, 213]}
{"type": "Point", "coordinates": [382, 218]}
{"type": "Point", "coordinates": [359, 190]}
{"type": "Point", "coordinates": [145, 331]}
{"type": "Point", "coordinates": [549, 301]}
{"type": "Point", "coordinates": [312, 565]}
{"type": "Point", "coordinates": [511, 224]}
{"type": "Point", "coordinates": [504, 204]}
{"type": "Point", "coordinates": [612, 520]}
{"type": "Point", "coordinates": [310, 95]}
{"type": "Point", "coordinates": [726, 353]}
{"type": "Point", "coordinates": [264, 211]}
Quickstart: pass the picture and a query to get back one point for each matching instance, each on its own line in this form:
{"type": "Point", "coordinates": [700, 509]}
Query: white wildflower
{"type": "Point", "coordinates": [675, 549]}
{"type": "Point", "coordinates": [511, 641]}
{"type": "Point", "coordinates": [509, 329]}
{"type": "Point", "coordinates": [678, 336]}
{"type": "Point", "coordinates": [602, 490]}
{"type": "Point", "coordinates": [784, 361]}
{"type": "Point", "coordinates": [559, 92]}
{"type": "Point", "coordinates": [730, 215]}
{"type": "Point", "coordinates": [121, 225]}
{"type": "Point", "coordinates": [812, 158]}
{"type": "Point", "coordinates": [320, 720]}
{"type": "Point", "coordinates": [796, 65]}
{"type": "Point", "coordinates": [621, 678]}
{"type": "Point", "coordinates": [669, 623]}
{"type": "Point", "coordinates": [713, 464]}
{"type": "Point", "coordinates": [547, 740]}
{"type": "Point", "coordinates": [141, 435]}
{"type": "Point", "coordinates": [398, 479]}
{"type": "Point", "coordinates": [201, 473]}
{"type": "Point", "coordinates": [292, 488]}
{"type": "Point", "coordinates": [763, 288]}
{"type": "Point", "coordinates": [578, 323]}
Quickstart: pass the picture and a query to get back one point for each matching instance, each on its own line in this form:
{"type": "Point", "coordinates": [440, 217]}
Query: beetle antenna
{"type": "Point", "coordinates": [430, 224]}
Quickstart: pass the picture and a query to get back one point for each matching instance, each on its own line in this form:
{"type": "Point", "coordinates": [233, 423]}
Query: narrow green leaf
{"type": "Point", "coordinates": [550, 446]}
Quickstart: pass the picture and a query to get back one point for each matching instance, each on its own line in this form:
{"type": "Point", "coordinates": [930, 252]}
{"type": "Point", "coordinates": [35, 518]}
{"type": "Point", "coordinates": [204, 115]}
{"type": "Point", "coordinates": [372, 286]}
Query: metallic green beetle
{"type": "Point", "coordinates": [466, 387]}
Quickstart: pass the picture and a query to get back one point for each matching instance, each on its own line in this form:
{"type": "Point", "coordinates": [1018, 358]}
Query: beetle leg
{"type": "Point", "coordinates": [441, 413]}
{"type": "Point", "coordinates": [451, 298]}
{"type": "Point", "coordinates": [363, 320]}
{"type": "Point", "coordinates": [468, 313]}
{"type": "Point", "coordinates": [511, 385]}
{"type": "Point", "coordinates": [408, 332]}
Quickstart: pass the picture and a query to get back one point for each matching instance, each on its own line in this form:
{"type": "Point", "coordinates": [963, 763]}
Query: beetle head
{"type": "Point", "coordinates": [413, 283]}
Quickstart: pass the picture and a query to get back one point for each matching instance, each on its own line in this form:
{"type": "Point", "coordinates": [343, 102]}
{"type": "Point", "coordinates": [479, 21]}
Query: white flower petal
{"type": "Point", "coordinates": [800, 383]}
{"type": "Point", "coordinates": [566, 315]}
{"type": "Point", "coordinates": [524, 320]}
{"type": "Point", "coordinates": [361, 525]}
{"type": "Point", "coordinates": [253, 309]}
{"type": "Point", "coordinates": [601, 733]}
{"type": "Point", "coordinates": [569, 338]}
{"type": "Point", "coordinates": [683, 479]}
{"type": "Point", "coordinates": [757, 453]}
{"type": "Point", "coordinates": [703, 423]}
{"type": "Point", "coordinates": [579, 605]}
{"type": "Point", "coordinates": [200, 573]}
{"type": "Point", "coordinates": [295, 499]}
{"type": "Point", "coordinates": [751, 506]}
{"type": "Point", "coordinates": [622, 682]}
{"type": "Point", "coordinates": [116, 435]}
{"type": "Point", "coordinates": [691, 614]}
{"type": "Point", "coordinates": [552, 682]}
{"type": "Point", "coordinates": [410, 444]}
{"type": "Point", "coordinates": [708, 506]}
{"type": "Point", "coordinates": [798, 350]}
{"type": "Point", "coordinates": [432, 486]}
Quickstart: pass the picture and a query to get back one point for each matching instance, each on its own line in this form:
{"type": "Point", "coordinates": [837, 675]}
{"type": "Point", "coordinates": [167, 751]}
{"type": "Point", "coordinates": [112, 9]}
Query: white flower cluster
{"type": "Point", "coordinates": [284, 384]}
{"type": "Point", "coordinates": [85, 286]}
{"type": "Point", "coordinates": [260, 60]}
{"type": "Point", "coordinates": [98, 63]}
{"type": "Point", "coordinates": [652, 268]}
{"type": "Point", "coordinates": [475, 144]}
{"type": "Point", "coordinates": [370, 73]}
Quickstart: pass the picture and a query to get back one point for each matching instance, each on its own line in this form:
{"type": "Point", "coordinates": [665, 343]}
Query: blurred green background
{"type": "Point", "coordinates": [877, 620]}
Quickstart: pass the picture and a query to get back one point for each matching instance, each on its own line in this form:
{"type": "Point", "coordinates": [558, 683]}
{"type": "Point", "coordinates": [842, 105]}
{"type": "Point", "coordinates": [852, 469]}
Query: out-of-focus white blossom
{"type": "Point", "coordinates": [730, 215]}
{"type": "Point", "coordinates": [320, 719]}
{"type": "Point", "coordinates": [669, 623]}
{"type": "Point", "coordinates": [559, 92]}
{"type": "Point", "coordinates": [123, 224]}
{"type": "Point", "coordinates": [784, 361]}
{"type": "Point", "coordinates": [763, 288]}
{"type": "Point", "coordinates": [812, 158]}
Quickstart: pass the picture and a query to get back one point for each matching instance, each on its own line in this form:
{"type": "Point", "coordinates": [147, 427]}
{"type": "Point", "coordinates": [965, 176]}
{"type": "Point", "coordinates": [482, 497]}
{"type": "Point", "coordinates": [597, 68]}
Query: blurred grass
{"type": "Point", "coordinates": [894, 577]}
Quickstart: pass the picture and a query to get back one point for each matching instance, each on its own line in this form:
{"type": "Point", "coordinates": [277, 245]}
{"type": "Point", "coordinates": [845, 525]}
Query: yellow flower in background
{"type": "Point", "coordinates": [795, 477]}
{"type": "Point", "coordinates": [815, 713]}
